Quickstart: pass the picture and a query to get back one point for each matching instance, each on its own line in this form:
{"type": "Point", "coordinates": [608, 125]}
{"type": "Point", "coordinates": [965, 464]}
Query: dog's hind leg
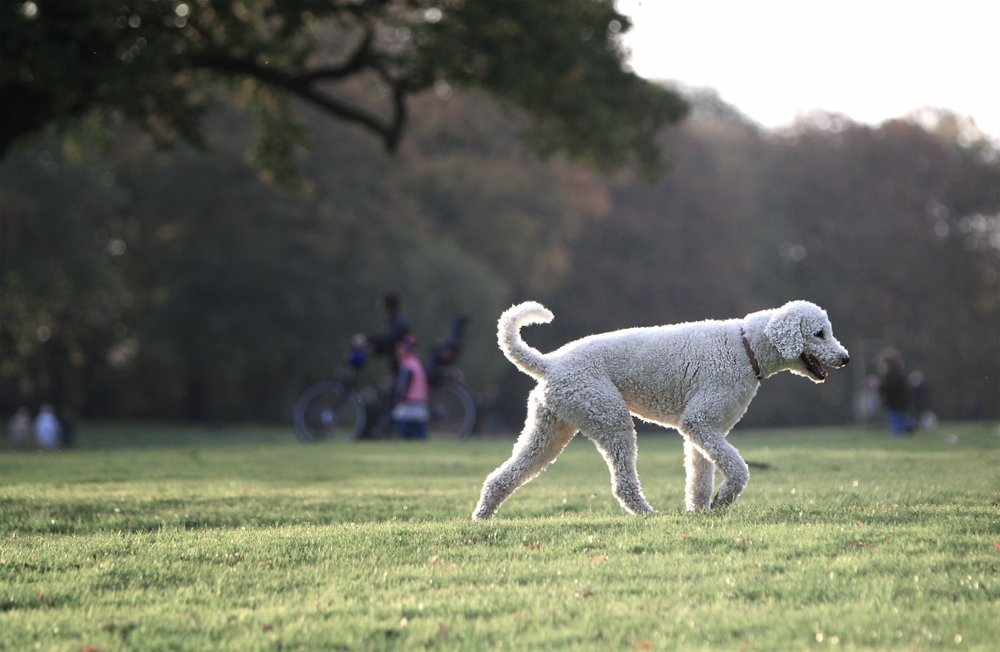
{"type": "Point", "coordinates": [620, 452]}
{"type": "Point", "coordinates": [700, 477]}
{"type": "Point", "coordinates": [614, 436]}
{"type": "Point", "coordinates": [543, 438]}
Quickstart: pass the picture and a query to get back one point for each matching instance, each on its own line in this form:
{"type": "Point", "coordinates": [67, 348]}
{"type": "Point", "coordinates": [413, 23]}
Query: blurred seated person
{"type": "Point", "coordinates": [444, 354]}
{"type": "Point", "coordinates": [410, 392]}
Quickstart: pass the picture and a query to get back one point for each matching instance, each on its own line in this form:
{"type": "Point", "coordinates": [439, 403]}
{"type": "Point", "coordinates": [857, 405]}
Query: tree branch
{"type": "Point", "coordinates": [399, 117]}
{"type": "Point", "coordinates": [302, 86]}
{"type": "Point", "coordinates": [359, 60]}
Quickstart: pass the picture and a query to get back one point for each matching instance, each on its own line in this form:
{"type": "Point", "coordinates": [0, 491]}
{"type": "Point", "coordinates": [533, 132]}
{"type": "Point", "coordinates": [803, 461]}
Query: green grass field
{"type": "Point", "coordinates": [159, 538]}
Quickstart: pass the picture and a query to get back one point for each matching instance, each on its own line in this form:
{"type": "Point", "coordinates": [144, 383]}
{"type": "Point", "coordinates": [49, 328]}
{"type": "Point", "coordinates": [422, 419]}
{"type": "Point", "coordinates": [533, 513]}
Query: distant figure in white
{"type": "Point", "coordinates": [19, 428]}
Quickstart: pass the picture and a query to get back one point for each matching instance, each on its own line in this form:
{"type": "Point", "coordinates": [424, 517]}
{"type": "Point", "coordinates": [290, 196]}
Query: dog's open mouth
{"type": "Point", "coordinates": [814, 367]}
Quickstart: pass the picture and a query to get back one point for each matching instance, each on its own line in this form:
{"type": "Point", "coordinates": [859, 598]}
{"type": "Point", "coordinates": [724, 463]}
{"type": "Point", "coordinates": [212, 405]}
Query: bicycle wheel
{"type": "Point", "coordinates": [452, 410]}
{"type": "Point", "coordinates": [329, 412]}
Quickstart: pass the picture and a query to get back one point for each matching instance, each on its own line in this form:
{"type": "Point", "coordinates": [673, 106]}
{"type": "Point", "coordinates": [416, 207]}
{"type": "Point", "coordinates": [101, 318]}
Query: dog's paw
{"type": "Point", "coordinates": [724, 501]}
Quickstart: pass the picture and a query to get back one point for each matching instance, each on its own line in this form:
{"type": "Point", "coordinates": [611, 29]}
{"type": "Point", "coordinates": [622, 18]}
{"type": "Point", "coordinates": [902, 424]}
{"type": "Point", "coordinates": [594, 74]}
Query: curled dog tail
{"type": "Point", "coordinates": [524, 357]}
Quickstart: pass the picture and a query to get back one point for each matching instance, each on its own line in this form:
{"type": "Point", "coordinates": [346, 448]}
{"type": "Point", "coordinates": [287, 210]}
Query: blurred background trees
{"type": "Point", "coordinates": [145, 282]}
{"type": "Point", "coordinates": [160, 64]}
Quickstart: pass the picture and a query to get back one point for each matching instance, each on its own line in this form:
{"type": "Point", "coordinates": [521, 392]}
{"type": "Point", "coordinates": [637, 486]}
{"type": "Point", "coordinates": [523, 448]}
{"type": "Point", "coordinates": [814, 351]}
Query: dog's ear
{"type": "Point", "coordinates": [784, 329]}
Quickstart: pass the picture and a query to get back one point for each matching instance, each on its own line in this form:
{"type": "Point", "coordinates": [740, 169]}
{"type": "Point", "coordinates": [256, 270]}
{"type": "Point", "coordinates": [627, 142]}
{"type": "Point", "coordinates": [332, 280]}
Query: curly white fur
{"type": "Point", "coordinates": [696, 377]}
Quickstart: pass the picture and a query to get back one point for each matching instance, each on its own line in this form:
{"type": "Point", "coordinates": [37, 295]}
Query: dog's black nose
{"type": "Point", "coordinates": [847, 359]}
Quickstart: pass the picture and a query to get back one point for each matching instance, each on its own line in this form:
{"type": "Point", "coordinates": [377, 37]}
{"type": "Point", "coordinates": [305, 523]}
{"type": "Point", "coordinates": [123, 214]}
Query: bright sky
{"type": "Point", "coordinates": [869, 59]}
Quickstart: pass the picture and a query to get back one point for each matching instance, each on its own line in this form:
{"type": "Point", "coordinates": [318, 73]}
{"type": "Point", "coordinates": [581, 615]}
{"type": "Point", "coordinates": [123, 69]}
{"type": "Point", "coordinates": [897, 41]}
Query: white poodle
{"type": "Point", "coordinates": [696, 377]}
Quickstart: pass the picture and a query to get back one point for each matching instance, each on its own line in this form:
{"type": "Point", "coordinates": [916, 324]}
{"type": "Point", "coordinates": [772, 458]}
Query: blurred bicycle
{"type": "Point", "coordinates": [354, 407]}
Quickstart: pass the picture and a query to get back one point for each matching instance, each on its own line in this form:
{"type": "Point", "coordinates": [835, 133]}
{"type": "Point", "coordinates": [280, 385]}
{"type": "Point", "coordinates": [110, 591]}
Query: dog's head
{"type": "Point", "coordinates": [802, 334]}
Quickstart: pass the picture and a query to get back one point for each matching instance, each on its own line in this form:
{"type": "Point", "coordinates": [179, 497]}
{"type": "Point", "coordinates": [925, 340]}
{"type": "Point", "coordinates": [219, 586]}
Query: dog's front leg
{"type": "Point", "coordinates": [713, 445]}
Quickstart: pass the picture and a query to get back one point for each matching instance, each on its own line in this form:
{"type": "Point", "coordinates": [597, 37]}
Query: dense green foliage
{"type": "Point", "coordinates": [175, 285]}
{"type": "Point", "coordinates": [159, 63]}
{"type": "Point", "coordinates": [239, 541]}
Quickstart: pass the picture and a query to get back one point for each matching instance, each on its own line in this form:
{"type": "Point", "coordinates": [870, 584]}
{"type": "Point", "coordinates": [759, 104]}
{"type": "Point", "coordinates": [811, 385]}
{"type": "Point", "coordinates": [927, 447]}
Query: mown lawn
{"type": "Point", "coordinates": [162, 538]}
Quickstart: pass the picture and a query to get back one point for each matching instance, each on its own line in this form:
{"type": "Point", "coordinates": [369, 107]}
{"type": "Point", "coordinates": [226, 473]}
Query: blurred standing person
{"type": "Point", "coordinates": [397, 326]}
{"type": "Point", "coordinates": [894, 392]}
{"type": "Point", "coordinates": [410, 392]}
{"type": "Point", "coordinates": [67, 426]}
{"type": "Point", "coordinates": [19, 428]}
{"type": "Point", "coordinates": [47, 430]}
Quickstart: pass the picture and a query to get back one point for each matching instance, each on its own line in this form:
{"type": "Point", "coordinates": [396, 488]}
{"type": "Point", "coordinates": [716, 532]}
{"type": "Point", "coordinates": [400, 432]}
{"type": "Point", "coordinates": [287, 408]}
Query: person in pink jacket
{"type": "Point", "coordinates": [410, 411]}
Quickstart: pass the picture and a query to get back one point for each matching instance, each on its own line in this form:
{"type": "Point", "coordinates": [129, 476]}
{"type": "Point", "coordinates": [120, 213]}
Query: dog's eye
{"type": "Point", "coordinates": [820, 334]}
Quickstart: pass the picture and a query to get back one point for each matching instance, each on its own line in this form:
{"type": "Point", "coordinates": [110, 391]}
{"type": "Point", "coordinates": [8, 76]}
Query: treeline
{"type": "Point", "coordinates": [177, 285]}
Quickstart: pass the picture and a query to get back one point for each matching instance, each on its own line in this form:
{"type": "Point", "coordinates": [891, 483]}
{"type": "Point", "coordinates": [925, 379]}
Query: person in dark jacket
{"type": "Point", "coordinates": [397, 327]}
{"type": "Point", "coordinates": [894, 392]}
